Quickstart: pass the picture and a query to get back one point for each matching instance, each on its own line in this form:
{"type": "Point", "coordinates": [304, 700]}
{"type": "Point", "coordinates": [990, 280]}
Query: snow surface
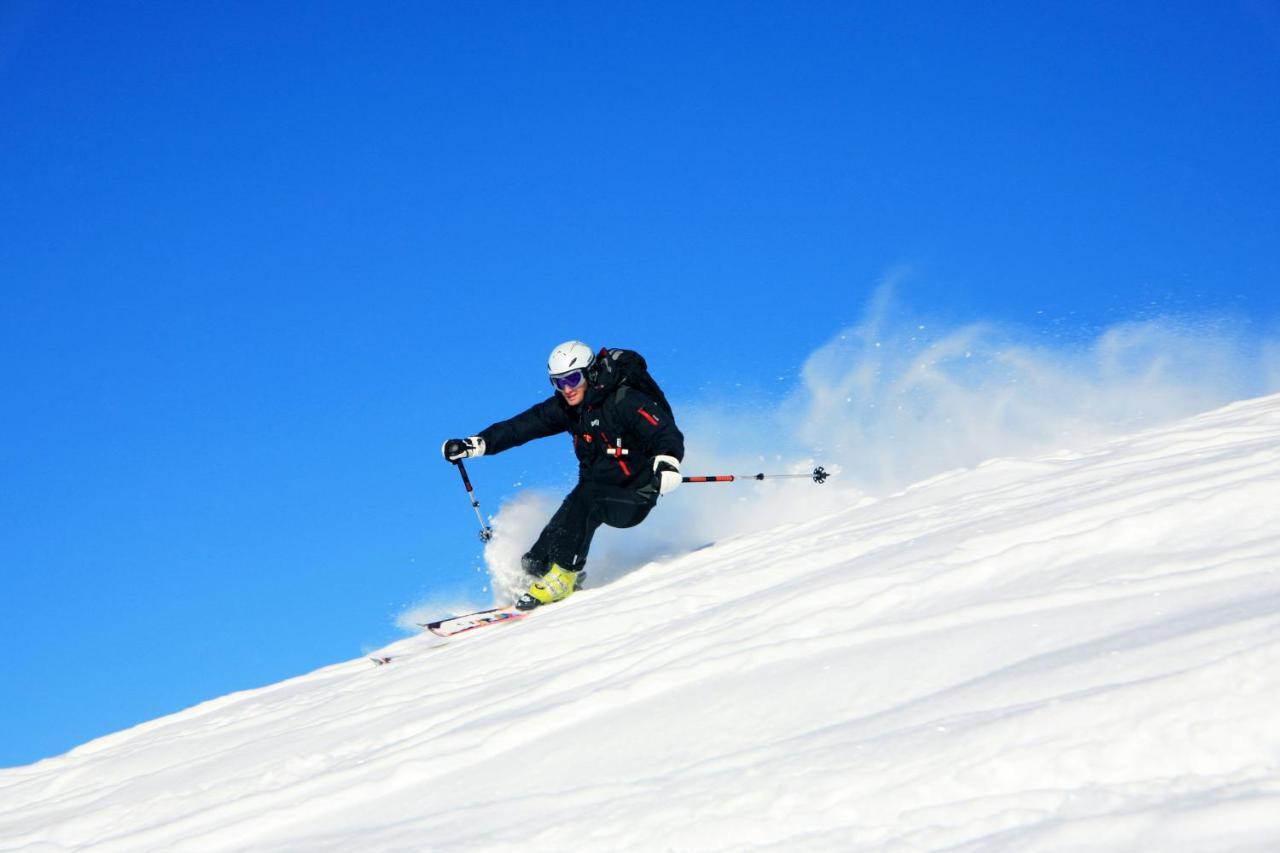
{"type": "Point", "coordinates": [1079, 651]}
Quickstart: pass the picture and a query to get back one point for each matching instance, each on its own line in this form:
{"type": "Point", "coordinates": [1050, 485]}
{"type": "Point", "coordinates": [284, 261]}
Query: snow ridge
{"type": "Point", "coordinates": [1078, 650]}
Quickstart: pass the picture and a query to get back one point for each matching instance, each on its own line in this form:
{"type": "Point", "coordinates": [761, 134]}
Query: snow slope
{"type": "Point", "coordinates": [1075, 651]}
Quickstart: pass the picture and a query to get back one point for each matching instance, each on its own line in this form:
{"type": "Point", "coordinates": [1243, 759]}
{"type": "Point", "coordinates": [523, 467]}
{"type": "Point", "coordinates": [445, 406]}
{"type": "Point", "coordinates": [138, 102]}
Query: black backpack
{"type": "Point", "coordinates": [631, 371]}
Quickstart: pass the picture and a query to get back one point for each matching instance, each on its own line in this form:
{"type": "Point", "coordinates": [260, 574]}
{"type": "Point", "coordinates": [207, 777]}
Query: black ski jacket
{"type": "Point", "coordinates": [617, 430]}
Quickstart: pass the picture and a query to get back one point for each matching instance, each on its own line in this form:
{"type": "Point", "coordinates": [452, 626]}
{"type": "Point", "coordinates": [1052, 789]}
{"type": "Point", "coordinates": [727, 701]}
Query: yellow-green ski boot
{"type": "Point", "coordinates": [556, 585]}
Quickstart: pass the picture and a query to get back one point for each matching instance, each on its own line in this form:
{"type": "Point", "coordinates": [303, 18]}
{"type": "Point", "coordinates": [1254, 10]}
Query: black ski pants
{"type": "Point", "coordinates": [567, 537]}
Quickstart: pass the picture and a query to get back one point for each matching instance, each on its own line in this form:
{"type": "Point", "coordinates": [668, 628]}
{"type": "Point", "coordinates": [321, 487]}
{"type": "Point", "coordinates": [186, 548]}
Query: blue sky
{"type": "Point", "coordinates": [259, 260]}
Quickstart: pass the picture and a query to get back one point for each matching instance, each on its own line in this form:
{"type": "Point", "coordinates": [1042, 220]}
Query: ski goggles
{"type": "Point", "coordinates": [568, 381]}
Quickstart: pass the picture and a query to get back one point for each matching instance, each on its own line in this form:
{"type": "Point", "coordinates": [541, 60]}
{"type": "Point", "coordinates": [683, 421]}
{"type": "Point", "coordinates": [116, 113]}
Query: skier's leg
{"type": "Point", "coordinates": [620, 507]}
{"type": "Point", "coordinates": [567, 536]}
{"type": "Point", "coordinates": [535, 561]}
{"type": "Point", "coordinates": [558, 556]}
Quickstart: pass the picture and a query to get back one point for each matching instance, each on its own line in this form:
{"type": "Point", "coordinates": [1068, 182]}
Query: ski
{"type": "Point", "coordinates": [455, 625]}
{"type": "Point", "coordinates": [452, 626]}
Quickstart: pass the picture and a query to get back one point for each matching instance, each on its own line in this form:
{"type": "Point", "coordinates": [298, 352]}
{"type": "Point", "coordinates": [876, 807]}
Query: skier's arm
{"type": "Point", "coordinates": [539, 421]}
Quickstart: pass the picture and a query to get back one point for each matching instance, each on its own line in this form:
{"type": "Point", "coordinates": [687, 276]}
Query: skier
{"type": "Point", "coordinates": [628, 447]}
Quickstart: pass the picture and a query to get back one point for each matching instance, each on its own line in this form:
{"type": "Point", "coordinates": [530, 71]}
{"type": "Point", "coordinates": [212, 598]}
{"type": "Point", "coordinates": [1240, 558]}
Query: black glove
{"type": "Point", "coordinates": [460, 448]}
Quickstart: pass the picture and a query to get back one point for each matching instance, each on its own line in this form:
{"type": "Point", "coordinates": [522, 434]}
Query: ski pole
{"type": "Point", "coordinates": [486, 532]}
{"type": "Point", "coordinates": [818, 475]}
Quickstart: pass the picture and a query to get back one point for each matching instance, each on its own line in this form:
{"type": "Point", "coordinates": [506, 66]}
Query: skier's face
{"type": "Point", "coordinates": [572, 385]}
{"type": "Point", "coordinates": [573, 396]}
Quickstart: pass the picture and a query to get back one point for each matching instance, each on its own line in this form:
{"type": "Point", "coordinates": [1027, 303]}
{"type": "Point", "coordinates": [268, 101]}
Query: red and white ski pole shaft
{"type": "Point", "coordinates": [818, 475]}
{"type": "Point", "coordinates": [486, 532]}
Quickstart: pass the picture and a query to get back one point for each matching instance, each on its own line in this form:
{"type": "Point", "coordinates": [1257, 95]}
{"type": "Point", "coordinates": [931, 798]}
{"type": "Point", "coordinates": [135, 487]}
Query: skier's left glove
{"type": "Point", "coordinates": [666, 474]}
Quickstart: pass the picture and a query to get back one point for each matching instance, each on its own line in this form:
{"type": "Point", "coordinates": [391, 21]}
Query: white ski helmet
{"type": "Point", "coordinates": [568, 357]}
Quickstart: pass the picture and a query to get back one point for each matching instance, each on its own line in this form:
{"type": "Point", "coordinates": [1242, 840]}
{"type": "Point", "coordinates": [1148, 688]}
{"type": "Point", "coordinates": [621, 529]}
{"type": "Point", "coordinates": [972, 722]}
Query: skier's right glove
{"type": "Point", "coordinates": [460, 448]}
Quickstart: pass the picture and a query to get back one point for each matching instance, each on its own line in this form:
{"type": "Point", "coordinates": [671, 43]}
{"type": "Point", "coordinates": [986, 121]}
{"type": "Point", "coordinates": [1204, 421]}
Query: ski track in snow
{"type": "Point", "coordinates": [1076, 651]}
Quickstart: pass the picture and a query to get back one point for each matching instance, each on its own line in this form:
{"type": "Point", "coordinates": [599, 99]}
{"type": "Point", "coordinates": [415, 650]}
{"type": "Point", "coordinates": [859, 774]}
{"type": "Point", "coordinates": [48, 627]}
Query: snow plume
{"type": "Point", "coordinates": [897, 399]}
{"type": "Point", "coordinates": [515, 527]}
